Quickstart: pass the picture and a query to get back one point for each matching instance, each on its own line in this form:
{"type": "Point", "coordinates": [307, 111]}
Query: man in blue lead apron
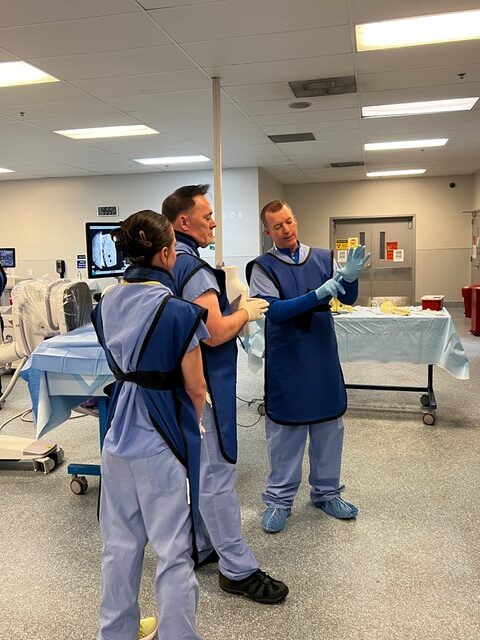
{"type": "Point", "coordinates": [304, 388]}
{"type": "Point", "coordinates": [191, 215]}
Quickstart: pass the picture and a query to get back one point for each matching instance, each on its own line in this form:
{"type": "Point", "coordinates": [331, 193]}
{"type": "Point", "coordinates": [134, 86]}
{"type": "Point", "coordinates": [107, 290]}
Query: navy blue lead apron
{"type": "Point", "coordinates": [159, 378]}
{"type": "Point", "coordinates": [303, 378]}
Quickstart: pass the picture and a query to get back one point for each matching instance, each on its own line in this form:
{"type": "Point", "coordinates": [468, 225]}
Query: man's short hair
{"type": "Point", "coordinates": [181, 200]}
{"type": "Point", "coordinates": [272, 207]}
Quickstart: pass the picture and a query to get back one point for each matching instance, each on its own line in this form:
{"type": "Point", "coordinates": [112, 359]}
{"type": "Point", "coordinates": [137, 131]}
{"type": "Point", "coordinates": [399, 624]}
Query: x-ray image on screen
{"type": "Point", "coordinates": [103, 259]}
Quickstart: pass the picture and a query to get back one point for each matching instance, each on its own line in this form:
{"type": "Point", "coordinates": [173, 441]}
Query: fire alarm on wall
{"type": "Point", "coordinates": [107, 211]}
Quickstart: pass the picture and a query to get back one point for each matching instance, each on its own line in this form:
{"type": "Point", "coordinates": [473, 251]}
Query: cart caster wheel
{"type": "Point", "coordinates": [57, 456]}
{"type": "Point", "coordinates": [79, 485]}
{"type": "Point", "coordinates": [425, 400]}
{"type": "Point", "coordinates": [428, 419]}
{"type": "Point", "coordinates": [43, 464]}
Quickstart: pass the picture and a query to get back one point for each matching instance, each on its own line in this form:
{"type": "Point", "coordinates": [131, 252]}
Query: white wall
{"type": "Point", "coordinates": [476, 191]}
{"type": "Point", "coordinates": [44, 219]}
{"type": "Point", "coordinates": [443, 234]}
{"type": "Point", "coordinates": [269, 188]}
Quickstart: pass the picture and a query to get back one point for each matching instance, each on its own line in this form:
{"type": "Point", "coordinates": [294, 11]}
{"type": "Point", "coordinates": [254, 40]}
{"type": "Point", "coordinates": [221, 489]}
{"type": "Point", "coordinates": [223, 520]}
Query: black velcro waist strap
{"type": "Point", "coordinates": [160, 380]}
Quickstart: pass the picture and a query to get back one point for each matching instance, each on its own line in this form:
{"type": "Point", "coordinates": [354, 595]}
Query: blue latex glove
{"type": "Point", "coordinates": [330, 288]}
{"type": "Point", "coordinates": [356, 260]}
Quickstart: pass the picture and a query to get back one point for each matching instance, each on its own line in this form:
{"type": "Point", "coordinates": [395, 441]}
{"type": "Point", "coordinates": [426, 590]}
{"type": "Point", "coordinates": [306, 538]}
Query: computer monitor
{"type": "Point", "coordinates": [103, 259]}
{"type": "Point", "coordinates": [7, 258]}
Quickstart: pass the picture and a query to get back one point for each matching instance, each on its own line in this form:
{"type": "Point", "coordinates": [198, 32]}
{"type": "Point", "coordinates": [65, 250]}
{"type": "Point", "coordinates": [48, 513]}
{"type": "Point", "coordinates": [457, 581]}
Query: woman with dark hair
{"type": "Point", "coordinates": [151, 452]}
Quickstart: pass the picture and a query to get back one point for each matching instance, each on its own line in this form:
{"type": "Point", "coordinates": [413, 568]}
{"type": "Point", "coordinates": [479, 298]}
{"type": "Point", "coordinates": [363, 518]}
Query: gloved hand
{"type": "Point", "coordinates": [356, 260]}
{"type": "Point", "coordinates": [330, 288]}
{"type": "Point", "coordinates": [255, 307]}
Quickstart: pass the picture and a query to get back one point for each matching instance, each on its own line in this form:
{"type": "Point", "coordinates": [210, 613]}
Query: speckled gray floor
{"type": "Point", "coordinates": [407, 569]}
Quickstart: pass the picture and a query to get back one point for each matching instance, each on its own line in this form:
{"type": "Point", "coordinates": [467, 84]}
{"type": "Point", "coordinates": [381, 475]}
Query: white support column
{"type": "Point", "coordinates": [217, 171]}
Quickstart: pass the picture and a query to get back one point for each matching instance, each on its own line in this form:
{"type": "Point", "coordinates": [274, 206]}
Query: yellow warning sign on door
{"type": "Point", "coordinates": [352, 242]}
{"type": "Point", "coordinates": [341, 245]}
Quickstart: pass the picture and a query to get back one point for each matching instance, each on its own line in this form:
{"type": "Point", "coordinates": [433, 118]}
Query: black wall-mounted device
{"type": "Point", "coordinates": [60, 267]}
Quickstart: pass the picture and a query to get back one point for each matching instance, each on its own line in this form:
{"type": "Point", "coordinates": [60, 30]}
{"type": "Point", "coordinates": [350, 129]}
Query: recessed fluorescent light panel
{"type": "Point", "coordinates": [405, 144]}
{"type": "Point", "coordinates": [173, 160]}
{"type": "Point", "coordinates": [108, 132]}
{"type": "Point", "coordinates": [13, 74]}
{"type": "Point", "coordinates": [6, 170]}
{"type": "Point", "coordinates": [418, 108]}
{"type": "Point", "coordinates": [395, 172]}
{"type": "Point", "coordinates": [411, 32]}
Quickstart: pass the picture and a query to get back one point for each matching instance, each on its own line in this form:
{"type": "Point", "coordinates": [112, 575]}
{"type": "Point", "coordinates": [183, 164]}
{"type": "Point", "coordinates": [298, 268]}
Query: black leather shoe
{"type": "Point", "coordinates": [258, 586]}
{"type": "Point", "coordinates": [210, 559]}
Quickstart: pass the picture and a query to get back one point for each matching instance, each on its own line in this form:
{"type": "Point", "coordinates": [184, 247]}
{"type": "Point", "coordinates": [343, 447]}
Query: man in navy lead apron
{"type": "Point", "coordinates": [190, 213]}
{"type": "Point", "coordinates": [304, 388]}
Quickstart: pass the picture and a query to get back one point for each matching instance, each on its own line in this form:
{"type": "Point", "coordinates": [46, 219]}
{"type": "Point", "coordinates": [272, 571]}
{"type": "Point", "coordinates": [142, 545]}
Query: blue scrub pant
{"type": "Point", "coordinates": [220, 525]}
{"type": "Point", "coordinates": [145, 499]}
{"type": "Point", "coordinates": [286, 445]}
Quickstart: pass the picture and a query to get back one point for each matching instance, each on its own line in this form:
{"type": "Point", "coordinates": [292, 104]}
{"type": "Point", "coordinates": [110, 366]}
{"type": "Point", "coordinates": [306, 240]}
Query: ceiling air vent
{"type": "Point", "coordinates": [292, 137]}
{"type": "Point", "coordinates": [339, 165]}
{"type": "Point", "coordinates": [323, 87]}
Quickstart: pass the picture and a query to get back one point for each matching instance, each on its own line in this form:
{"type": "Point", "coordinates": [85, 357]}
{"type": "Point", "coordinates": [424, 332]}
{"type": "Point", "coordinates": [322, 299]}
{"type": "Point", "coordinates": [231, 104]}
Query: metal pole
{"type": "Point", "coordinates": [217, 171]}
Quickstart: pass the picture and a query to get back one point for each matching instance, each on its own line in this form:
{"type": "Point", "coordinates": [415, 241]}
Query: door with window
{"type": "Point", "coordinates": [391, 241]}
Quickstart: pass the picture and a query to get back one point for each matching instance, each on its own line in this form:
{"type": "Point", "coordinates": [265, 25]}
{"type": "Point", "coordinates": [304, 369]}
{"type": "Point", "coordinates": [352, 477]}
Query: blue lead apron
{"type": "Point", "coordinates": [220, 362]}
{"type": "Point", "coordinates": [303, 378]}
{"type": "Point", "coordinates": [159, 378]}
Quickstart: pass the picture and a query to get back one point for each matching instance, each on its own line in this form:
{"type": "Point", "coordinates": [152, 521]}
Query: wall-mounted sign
{"type": "Point", "coordinates": [398, 255]}
{"type": "Point", "coordinates": [342, 256]}
{"type": "Point", "coordinates": [391, 246]}
{"type": "Point", "coordinates": [341, 244]}
{"type": "Point", "coordinates": [352, 243]}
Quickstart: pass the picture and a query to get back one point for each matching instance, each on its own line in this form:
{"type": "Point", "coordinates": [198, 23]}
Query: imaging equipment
{"type": "Point", "coordinates": [40, 309]}
{"type": "Point", "coordinates": [103, 259]}
{"type": "Point", "coordinates": [7, 257]}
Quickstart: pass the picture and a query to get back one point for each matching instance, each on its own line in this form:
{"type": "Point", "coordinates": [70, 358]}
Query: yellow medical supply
{"type": "Point", "coordinates": [390, 308]}
{"type": "Point", "coordinates": [338, 307]}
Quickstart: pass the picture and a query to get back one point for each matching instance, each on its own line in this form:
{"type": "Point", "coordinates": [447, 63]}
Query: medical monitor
{"type": "Point", "coordinates": [7, 258]}
{"type": "Point", "coordinates": [103, 259]}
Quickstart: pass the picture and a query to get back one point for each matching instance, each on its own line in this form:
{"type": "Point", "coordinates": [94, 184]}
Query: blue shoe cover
{"type": "Point", "coordinates": [275, 518]}
{"type": "Point", "coordinates": [338, 508]}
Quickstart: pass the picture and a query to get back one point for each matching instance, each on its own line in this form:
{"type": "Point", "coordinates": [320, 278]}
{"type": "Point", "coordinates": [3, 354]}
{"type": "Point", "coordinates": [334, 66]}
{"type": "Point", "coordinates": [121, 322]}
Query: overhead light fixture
{"type": "Point", "coordinates": [419, 30]}
{"type": "Point", "coordinates": [395, 172]}
{"type": "Point", "coordinates": [108, 132]}
{"type": "Point", "coordinates": [405, 144]}
{"type": "Point", "coordinates": [173, 160]}
{"type": "Point", "coordinates": [2, 170]}
{"type": "Point", "coordinates": [418, 108]}
{"type": "Point", "coordinates": [13, 74]}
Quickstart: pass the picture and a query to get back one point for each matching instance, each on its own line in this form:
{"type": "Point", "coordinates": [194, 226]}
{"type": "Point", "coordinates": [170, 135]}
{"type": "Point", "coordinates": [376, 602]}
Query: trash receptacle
{"type": "Point", "coordinates": [475, 326]}
{"type": "Point", "coordinates": [467, 300]}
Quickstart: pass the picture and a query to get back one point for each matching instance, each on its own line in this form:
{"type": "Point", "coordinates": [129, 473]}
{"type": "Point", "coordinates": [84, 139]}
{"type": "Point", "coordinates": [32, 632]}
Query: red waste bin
{"type": "Point", "coordinates": [467, 300]}
{"type": "Point", "coordinates": [475, 326]}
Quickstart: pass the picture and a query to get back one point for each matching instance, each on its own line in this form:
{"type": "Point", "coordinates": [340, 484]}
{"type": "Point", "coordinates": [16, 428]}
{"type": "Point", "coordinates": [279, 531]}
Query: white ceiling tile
{"type": "Point", "coordinates": [103, 33]}
{"type": "Point", "coordinates": [145, 84]}
{"type": "Point", "coordinates": [86, 107]}
{"type": "Point", "coordinates": [412, 78]}
{"type": "Point", "coordinates": [201, 22]}
{"type": "Point", "coordinates": [317, 104]}
{"type": "Point", "coordinates": [39, 94]}
{"type": "Point", "coordinates": [306, 117]}
{"type": "Point", "coordinates": [109, 64]}
{"type": "Point", "coordinates": [259, 92]}
{"type": "Point", "coordinates": [83, 122]}
{"type": "Point", "coordinates": [285, 70]}
{"type": "Point", "coordinates": [183, 113]}
{"type": "Point", "coordinates": [15, 12]}
{"type": "Point", "coordinates": [167, 100]}
{"type": "Point", "coordinates": [273, 46]}
{"type": "Point", "coordinates": [161, 4]}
